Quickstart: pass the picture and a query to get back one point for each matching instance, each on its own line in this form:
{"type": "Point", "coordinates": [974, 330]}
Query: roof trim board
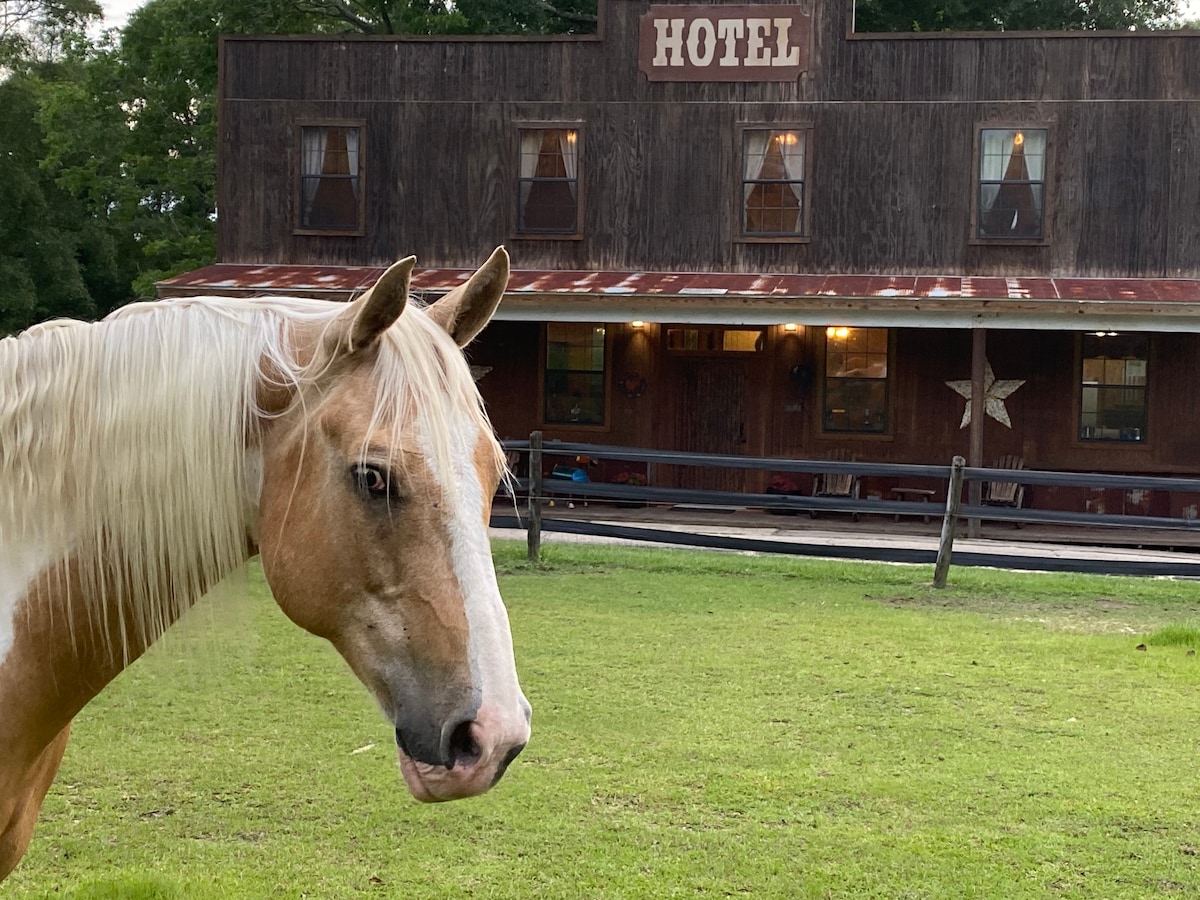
{"type": "Point", "coordinates": [914, 301]}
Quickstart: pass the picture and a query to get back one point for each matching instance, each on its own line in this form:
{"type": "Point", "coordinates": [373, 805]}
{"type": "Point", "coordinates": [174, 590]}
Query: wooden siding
{"type": "Point", "coordinates": [892, 143]}
{"type": "Point", "coordinates": [782, 420]}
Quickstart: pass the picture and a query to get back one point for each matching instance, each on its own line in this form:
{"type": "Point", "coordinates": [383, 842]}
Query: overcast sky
{"type": "Point", "coordinates": [117, 11]}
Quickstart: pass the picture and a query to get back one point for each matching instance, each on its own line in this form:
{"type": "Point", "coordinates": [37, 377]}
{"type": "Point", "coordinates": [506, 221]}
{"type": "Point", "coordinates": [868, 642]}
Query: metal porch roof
{"type": "Point", "coordinates": [955, 301]}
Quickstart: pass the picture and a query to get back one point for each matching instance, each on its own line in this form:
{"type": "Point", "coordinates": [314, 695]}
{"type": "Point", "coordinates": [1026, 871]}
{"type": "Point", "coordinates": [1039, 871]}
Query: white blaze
{"type": "Point", "coordinates": [489, 641]}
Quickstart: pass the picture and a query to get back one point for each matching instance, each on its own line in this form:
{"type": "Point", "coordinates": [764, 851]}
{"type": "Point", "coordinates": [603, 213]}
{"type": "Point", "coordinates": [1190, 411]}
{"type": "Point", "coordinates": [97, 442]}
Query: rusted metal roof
{"type": "Point", "coordinates": [1159, 304]}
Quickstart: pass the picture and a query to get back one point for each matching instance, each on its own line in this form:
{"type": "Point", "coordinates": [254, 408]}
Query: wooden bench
{"type": "Point", "coordinates": [905, 493]}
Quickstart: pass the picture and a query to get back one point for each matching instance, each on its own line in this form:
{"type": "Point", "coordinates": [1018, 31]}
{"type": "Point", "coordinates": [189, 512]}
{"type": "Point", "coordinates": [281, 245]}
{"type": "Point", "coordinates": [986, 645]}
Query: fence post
{"type": "Point", "coordinates": [949, 521]}
{"type": "Point", "coordinates": [533, 536]}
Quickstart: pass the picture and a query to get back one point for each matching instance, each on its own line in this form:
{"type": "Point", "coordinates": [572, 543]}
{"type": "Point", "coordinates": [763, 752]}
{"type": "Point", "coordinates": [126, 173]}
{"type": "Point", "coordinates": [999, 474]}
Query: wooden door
{"type": "Point", "coordinates": [710, 417]}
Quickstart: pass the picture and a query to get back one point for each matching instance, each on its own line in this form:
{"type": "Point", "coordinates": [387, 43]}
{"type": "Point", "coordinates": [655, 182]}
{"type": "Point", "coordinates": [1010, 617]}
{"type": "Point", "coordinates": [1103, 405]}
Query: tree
{"type": "Point", "coordinates": [454, 16]}
{"type": "Point", "coordinates": [30, 28]}
{"type": "Point", "coordinates": [49, 250]}
{"type": "Point", "coordinates": [1014, 15]}
{"type": "Point", "coordinates": [131, 129]}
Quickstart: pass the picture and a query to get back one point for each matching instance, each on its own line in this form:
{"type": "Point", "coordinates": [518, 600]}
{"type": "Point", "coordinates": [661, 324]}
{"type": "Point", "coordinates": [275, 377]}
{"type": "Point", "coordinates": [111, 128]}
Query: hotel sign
{"type": "Point", "coordinates": [724, 43]}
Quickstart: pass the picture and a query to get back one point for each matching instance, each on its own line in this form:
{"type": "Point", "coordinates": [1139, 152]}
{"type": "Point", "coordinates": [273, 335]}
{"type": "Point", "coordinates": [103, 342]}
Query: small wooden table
{"type": "Point", "coordinates": [904, 493]}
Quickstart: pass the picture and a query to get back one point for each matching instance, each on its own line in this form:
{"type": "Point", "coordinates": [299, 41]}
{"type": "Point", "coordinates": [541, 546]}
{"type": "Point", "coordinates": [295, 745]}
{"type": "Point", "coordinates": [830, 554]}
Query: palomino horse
{"type": "Point", "coordinates": [144, 457]}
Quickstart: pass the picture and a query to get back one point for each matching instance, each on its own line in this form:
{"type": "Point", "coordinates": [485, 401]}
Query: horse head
{"type": "Point", "coordinates": [377, 479]}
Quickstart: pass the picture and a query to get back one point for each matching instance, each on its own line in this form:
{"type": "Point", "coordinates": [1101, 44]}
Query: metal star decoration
{"type": "Point", "coordinates": [994, 394]}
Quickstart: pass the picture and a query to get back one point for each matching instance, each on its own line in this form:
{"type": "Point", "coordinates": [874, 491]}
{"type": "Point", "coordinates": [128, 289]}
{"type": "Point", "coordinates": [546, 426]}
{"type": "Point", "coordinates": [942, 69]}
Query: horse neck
{"type": "Point", "coordinates": [64, 649]}
{"type": "Point", "coordinates": [127, 493]}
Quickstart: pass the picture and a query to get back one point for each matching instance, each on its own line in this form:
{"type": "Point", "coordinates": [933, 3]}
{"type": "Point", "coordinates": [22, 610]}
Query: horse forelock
{"type": "Point", "coordinates": [423, 384]}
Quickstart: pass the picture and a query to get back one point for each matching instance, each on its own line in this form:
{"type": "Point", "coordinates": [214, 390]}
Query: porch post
{"type": "Point", "coordinates": [975, 452]}
{"type": "Point", "coordinates": [533, 533]}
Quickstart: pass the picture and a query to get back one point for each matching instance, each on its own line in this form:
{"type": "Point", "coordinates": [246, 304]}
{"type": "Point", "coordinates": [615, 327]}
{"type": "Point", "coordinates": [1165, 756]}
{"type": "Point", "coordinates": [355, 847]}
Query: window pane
{"type": "Point", "coordinates": [1011, 182]}
{"type": "Point", "coordinates": [742, 340]}
{"type": "Point", "coordinates": [773, 182]}
{"type": "Point", "coordinates": [1113, 392]}
{"type": "Point", "coordinates": [856, 404]}
{"type": "Point", "coordinates": [856, 369]}
{"type": "Point", "coordinates": [329, 177]}
{"type": "Point", "coordinates": [548, 181]}
{"type": "Point", "coordinates": [835, 363]}
{"type": "Point", "coordinates": [574, 398]}
{"type": "Point", "coordinates": [575, 345]}
{"type": "Point", "coordinates": [575, 376]}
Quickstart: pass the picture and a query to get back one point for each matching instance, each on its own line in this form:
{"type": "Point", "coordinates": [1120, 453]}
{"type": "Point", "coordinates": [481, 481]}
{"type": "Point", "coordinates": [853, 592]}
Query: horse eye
{"type": "Point", "coordinates": [371, 479]}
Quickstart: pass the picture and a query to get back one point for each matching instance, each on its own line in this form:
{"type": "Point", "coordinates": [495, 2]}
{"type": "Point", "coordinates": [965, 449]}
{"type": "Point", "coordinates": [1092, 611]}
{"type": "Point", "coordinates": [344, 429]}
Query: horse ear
{"type": "Point", "coordinates": [361, 324]}
{"type": "Point", "coordinates": [464, 311]}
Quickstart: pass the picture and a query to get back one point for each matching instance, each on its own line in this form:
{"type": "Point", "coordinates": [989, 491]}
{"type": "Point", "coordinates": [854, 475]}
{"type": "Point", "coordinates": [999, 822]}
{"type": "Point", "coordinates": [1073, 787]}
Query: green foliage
{"type": "Point", "coordinates": [458, 17]}
{"type": "Point", "coordinates": [705, 725]}
{"type": "Point", "coordinates": [33, 29]}
{"type": "Point", "coordinates": [48, 250]}
{"type": "Point", "coordinates": [131, 130]}
{"type": "Point", "coordinates": [1013, 15]}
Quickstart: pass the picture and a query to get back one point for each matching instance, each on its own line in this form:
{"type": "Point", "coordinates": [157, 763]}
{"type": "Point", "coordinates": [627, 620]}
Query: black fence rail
{"type": "Point", "coordinates": [529, 459]}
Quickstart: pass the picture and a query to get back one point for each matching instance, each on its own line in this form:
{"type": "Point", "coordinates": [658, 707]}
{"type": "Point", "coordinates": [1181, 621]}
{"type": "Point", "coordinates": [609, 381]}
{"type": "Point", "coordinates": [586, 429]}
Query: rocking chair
{"type": "Point", "coordinates": [836, 484]}
{"type": "Point", "coordinates": [1005, 493]}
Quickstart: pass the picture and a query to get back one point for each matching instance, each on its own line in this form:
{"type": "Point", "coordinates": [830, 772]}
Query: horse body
{"type": "Point", "coordinates": [144, 458]}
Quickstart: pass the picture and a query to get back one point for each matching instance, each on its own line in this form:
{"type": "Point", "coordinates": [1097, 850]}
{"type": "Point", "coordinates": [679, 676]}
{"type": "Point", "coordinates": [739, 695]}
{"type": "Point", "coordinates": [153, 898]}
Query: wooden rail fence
{"type": "Point", "coordinates": [539, 490]}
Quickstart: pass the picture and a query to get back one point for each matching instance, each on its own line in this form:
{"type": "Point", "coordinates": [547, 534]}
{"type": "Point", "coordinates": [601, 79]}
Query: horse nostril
{"type": "Point", "coordinates": [463, 749]}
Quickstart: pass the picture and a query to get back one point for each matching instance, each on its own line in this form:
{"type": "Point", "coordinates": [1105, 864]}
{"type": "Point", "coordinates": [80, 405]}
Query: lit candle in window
{"type": "Point", "coordinates": [571, 135]}
{"type": "Point", "coordinates": [1018, 139]}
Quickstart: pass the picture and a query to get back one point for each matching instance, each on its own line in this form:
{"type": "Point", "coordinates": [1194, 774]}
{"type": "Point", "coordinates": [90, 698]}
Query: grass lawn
{"type": "Point", "coordinates": [705, 724]}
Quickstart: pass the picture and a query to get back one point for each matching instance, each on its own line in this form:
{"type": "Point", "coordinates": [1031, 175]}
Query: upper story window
{"type": "Point", "coordinates": [855, 396]}
{"type": "Point", "coordinates": [331, 168]}
{"type": "Point", "coordinates": [548, 182]}
{"type": "Point", "coordinates": [574, 373]}
{"type": "Point", "coordinates": [773, 182]}
{"type": "Point", "coordinates": [1112, 403]}
{"type": "Point", "coordinates": [1011, 199]}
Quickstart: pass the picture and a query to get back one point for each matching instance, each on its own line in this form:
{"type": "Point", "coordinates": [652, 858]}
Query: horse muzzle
{"type": "Point", "coordinates": [464, 758]}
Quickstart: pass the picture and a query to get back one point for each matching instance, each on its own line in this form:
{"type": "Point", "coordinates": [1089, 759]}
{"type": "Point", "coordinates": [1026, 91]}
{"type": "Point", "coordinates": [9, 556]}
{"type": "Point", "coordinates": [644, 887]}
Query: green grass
{"type": "Point", "coordinates": [1175, 636]}
{"type": "Point", "coordinates": [705, 724]}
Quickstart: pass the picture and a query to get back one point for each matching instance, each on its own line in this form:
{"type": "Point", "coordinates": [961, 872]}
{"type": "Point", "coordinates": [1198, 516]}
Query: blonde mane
{"type": "Point", "coordinates": [130, 439]}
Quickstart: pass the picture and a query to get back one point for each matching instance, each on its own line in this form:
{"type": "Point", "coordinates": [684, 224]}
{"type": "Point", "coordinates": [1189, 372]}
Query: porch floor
{"type": "Point", "coordinates": [1034, 540]}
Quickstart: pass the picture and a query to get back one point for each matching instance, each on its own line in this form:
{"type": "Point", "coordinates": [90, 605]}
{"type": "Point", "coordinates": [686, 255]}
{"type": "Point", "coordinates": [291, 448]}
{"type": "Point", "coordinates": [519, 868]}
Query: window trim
{"type": "Point", "coordinates": [973, 236]}
{"type": "Point", "coordinates": [298, 177]}
{"type": "Point", "coordinates": [1082, 443]}
{"type": "Point", "coordinates": [738, 202]}
{"type": "Point", "coordinates": [580, 194]}
{"type": "Point", "coordinates": [819, 429]}
{"type": "Point", "coordinates": [606, 425]}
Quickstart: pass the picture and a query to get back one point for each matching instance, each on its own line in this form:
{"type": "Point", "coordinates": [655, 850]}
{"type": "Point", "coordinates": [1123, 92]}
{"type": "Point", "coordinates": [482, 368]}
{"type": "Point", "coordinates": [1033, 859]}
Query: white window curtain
{"type": "Point", "coordinates": [312, 141]}
{"type": "Point", "coordinates": [996, 153]}
{"type": "Point", "coordinates": [352, 157]}
{"type": "Point", "coordinates": [531, 146]}
{"type": "Point", "coordinates": [793, 164]}
{"type": "Point", "coordinates": [568, 145]}
{"type": "Point", "coordinates": [756, 154]}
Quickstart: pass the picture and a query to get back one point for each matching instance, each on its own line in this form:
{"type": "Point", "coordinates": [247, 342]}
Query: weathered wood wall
{"type": "Point", "coordinates": [925, 413]}
{"type": "Point", "coordinates": [893, 127]}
